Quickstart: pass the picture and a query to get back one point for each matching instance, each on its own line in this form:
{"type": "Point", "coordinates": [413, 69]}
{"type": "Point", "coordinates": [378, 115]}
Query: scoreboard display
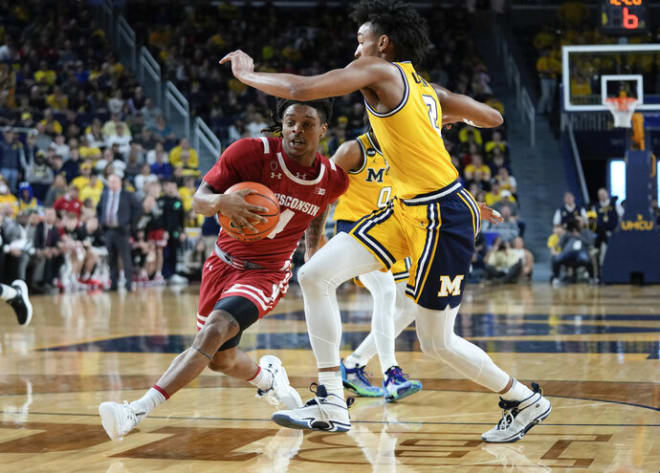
{"type": "Point", "coordinates": [624, 17]}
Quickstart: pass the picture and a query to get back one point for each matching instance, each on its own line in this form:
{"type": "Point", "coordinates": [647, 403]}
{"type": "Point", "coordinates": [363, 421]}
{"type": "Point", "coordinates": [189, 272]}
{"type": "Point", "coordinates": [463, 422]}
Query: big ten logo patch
{"type": "Point", "coordinates": [375, 175]}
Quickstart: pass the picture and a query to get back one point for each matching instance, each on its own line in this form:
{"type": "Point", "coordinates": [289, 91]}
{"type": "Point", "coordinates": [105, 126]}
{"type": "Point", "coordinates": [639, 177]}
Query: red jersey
{"type": "Point", "coordinates": [303, 194]}
{"type": "Point", "coordinates": [66, 205]}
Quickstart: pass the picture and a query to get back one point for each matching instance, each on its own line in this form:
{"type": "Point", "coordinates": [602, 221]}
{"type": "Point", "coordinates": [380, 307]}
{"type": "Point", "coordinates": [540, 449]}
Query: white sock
{"type": "Point", "coordinates": [332, 382]}
{"type": "Point", "coordinates": [354, 360]}
{"type": "Point", "coordinates": [517, 392]}
{"type": "Point", "coordinates": [149, 401]}
{"type": "Point", "coordinates": [8, 292]}
{"type": "Point", "coordinates": [262, 380]}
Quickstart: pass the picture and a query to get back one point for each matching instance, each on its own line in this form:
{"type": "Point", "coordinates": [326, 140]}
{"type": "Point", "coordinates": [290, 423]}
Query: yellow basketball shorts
{"type": "Point", "coordinates": [400, 269]}
{"type": "Point", "coordinates": [437, 231]}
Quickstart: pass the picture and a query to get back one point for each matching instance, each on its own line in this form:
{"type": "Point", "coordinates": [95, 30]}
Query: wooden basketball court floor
{"type": "Point", "coordinates": [594, 350]}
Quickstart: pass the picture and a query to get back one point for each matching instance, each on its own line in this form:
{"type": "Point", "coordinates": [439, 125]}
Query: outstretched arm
{"type": "Point", "coordinates": [458, 107]}
{"type": "Point", "coordinates": [361, 73]}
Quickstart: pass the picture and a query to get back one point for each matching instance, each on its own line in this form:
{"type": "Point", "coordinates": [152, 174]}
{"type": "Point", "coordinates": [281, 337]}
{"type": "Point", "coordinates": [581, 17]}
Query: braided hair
{"type": "Point", "coordinates": [322, 106]}
{"type": "Point", "coordinates": [400, 22]}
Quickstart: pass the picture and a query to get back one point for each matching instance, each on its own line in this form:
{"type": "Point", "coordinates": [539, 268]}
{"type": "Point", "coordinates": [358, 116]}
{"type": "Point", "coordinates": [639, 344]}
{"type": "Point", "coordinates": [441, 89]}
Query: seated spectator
{"type": "Point", "coordinates": [94, 135]}
{"type": "Point", "coordinates": [477, 164]}
{"type": "Point", "coordinates": [161, 130]}
{"type": "Point", "coordinates": [39, 175]}
{"type": "Point", "coordinates": [558, 232]}
{"type": "Point", "coordinates": [569, 211]}
{"type": "Point", "coordinates": [57, 190]}
{"type": "Point", "coordinates": [7, 199]}
{"type": "Point", "coordinates": [45, 75]}
{"type": "Point", "coordinates": [93, 244]}
{"type": "Point", "coordinates": [110, 159]}
{"type": "Point", "coordinates": [82, 180]}
{"type": "Point", "coordinates": [496, 142]}
{"type": "Point", "coordinates": [469, 134]}
{"type": "Point", "coordinates": [142, 179]}
{"type": "Point", "coordinates": [147, 141]}
{"type": "Point", "coordinates": [69, 202]}
{"type": "Point", "coordinates": [51, 126]}
{"type": "Point", "coordinates": [87, 151]}
{"type": "Point", "coordinates": [176, 158]}
{"type": "Point", "coordinates": [503, 263]}
{"type": "Point", "coordinates": [92, 189]}
{"type": "Point", "coordinates": [110, 127]}
{"type": "Point", "coordinates": [116, 103]}
{"type": "Point", "coordinates": [506, 181]}
{"type": "Point", "coordinates": [58, 101]}
{"type": "Point", "coordinates": [150, 112]}
{"type": "Point", "coordinates": [194, 260]}
{"type": "Point", "coordinates": [575, 246]}
{"type": "Point", "coordinates": [43, 140]}
{"type": "Point", "coordinates": [47, 254]}
{"type": "Point", "coordinates": [528, 258]}
{"type": "Point", "coordinates": [499, 196]}
{"type": "Point", "coordinates": [71, 167]}
{"type": "Point", "coordinates": [188, 167]}
{"type": "Point", "coordinates": [497, 161]}
{"type": "Point", "coordinates": [507, 229]}
{"type": "Point", "coordinates": [187, 191]}
{"type": "Point", "coordinates": [256, 123]}
{"type": "Point", "coordinates": [12, 158]}
{"type": "Point", "coordinates": [26, 199]}
{"type": "Point", "coordinates": [121, 137]}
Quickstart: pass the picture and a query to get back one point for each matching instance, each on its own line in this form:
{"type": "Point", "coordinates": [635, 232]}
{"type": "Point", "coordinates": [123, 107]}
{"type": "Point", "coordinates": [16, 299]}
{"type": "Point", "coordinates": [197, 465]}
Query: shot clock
{"type": "Point", "coordinates": [624, 17]}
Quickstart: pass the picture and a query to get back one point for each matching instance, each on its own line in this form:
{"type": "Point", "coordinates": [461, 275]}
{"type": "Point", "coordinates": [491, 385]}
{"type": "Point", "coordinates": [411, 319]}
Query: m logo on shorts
{"type": "Point", "coordinates": [449, 287]}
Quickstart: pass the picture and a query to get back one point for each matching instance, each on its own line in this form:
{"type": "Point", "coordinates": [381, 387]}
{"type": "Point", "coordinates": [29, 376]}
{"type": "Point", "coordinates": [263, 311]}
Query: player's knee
{"type": "Point", "coordinates": [223, 361]}
{"type": "Point", "coordinates": [309, 275]}
{"type": "Point", "coordinates": [220, 326]}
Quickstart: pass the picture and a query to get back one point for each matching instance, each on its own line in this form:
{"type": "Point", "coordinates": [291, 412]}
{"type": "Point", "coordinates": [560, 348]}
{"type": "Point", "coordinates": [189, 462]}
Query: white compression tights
{"type": "Point", "coordinates": [404, 313]}
{"type": "Point", "coordinates": [435, 330]}
{"type": "Point", "coordinates": [341, 259]}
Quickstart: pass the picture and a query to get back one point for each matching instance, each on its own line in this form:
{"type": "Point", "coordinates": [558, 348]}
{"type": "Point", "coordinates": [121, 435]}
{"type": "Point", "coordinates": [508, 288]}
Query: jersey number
{"type": "Point", "coordinates": [432, 105]}
{"type": "Point", "coordinates": [384, 196]}
{"type": "Point", "coordinates": [285, 217]}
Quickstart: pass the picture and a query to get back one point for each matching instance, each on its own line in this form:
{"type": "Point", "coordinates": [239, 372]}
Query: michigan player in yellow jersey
{"type": "Point", "coordinates": [370, 188]}
{"type": "Point", "coordinates": [432, 218]}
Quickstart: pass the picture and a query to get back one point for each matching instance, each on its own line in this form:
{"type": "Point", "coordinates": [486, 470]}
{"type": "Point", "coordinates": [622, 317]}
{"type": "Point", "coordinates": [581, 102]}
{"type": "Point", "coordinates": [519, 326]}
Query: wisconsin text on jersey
{"type": "Point", "coordinates": [296, 204]}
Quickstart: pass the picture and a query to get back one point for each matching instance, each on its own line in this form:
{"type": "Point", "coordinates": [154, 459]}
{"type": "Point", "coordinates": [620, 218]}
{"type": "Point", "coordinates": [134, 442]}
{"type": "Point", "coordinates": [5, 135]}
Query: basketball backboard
{"type": "Point", "coordinates": [592, 73]}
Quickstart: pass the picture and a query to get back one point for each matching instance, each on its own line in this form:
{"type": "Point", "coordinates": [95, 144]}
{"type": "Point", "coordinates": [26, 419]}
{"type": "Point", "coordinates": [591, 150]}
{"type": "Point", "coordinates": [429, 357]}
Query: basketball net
{"type": "Point", "coordinates": [622, 109]}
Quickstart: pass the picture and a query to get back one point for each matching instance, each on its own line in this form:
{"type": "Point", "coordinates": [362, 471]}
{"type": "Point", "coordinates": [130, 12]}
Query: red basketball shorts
{"type": "Point", "coordinates": [262, 287]}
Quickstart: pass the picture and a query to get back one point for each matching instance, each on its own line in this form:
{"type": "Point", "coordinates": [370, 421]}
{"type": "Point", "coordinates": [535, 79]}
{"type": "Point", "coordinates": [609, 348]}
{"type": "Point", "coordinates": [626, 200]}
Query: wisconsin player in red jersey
{"type": "Point", "coordinates": [243, 281]}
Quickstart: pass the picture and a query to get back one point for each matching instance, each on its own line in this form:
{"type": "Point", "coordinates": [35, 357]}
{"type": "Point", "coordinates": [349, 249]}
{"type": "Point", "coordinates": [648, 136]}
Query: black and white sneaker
{"type": "Point", "coordinates": [325, 411]}
{"type": "Point", "coordinates": [518, 417]}
{"type": "Point", "coordinates": [21, 302]}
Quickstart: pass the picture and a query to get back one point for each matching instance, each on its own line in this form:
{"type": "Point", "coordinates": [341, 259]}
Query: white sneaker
{"type": "Point", "coordinates": [325, 411]}
{"type": "Point", "coordinates": [281, 393]}
{"type": "Point", "coordinates": [119, 419]}
{"type": "Point", "coordinates": [518, 417]}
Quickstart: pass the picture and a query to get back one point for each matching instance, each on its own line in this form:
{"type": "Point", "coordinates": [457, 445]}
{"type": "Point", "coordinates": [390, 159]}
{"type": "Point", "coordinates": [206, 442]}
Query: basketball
{"type": "Point", "coordinates": [263, 197]}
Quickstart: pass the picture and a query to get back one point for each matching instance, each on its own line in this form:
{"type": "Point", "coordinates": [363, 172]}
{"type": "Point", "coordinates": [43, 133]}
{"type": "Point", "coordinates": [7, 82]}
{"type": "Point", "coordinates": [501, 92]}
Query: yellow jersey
{"type": "Point", "coordinates": [369, 186]}
{"type": "Point", "coordinates": [410, 137]}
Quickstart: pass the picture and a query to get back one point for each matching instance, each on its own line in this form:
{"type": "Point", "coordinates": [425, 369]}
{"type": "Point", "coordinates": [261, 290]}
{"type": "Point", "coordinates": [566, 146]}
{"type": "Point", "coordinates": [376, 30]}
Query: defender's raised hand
{"type": "Point", "coordinates": [241, 63]}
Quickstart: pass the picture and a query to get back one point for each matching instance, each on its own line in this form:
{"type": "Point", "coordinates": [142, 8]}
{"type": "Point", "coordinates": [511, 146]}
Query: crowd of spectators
{"type": "Point", "coordinates": [188, 44]}
{"type": "Point", "coordinates": [578, 242]}
{"type": "Point", "coordinates": [72, 118]}
{"type": "Point", "coordinates": [75, 117]}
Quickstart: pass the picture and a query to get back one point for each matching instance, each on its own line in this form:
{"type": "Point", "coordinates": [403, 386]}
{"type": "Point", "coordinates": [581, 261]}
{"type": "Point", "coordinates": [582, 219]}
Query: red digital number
{"type": "Point", "coordinates": [630, 21]}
